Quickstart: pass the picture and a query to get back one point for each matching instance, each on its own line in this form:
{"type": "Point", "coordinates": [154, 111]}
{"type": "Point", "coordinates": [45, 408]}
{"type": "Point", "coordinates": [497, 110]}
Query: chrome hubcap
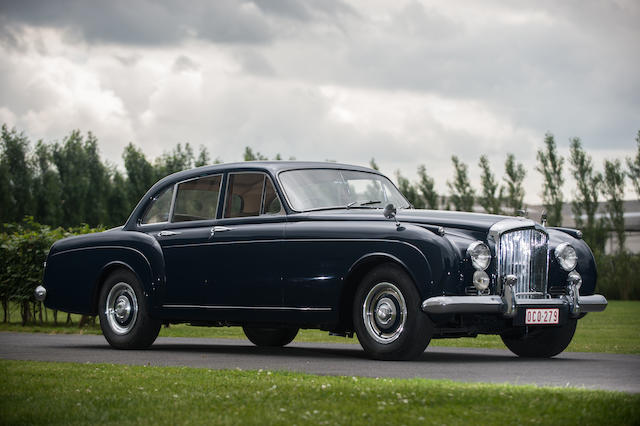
{"type": "Point", "coordinates": [384, 312]}
{"type": "Point", "coordinates": [121, 308]}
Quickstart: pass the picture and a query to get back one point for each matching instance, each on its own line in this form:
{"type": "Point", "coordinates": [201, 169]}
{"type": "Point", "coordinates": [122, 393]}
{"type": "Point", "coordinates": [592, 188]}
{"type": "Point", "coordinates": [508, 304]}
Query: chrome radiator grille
{"type": "Point", "coordinates": [524, 253]}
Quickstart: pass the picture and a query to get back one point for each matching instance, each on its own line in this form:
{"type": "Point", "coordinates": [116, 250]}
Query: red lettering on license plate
{"type": "Point", "coordinates": [542, 316]}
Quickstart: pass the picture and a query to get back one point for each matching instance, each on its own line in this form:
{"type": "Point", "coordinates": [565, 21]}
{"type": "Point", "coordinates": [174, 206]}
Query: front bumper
{"type": "Point", "coordinates": [509, 306]}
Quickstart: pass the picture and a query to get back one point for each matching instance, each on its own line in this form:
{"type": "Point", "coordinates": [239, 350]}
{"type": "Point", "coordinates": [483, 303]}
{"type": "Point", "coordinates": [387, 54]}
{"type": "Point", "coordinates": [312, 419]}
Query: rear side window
{"type": "Point", "coordinates": [197, 199]}
{"type": "Point", "coordinates": [251, 194]}
{"type": "Point", "coordinates": [160, 207]}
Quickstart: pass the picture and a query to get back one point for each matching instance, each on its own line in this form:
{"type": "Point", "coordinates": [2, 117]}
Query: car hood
{"type": "Point", "coordinates": [447, 219]}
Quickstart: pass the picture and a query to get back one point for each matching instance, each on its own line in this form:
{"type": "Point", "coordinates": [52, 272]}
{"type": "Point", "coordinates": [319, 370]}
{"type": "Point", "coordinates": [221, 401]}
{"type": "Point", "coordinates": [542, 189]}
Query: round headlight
{"type": "Point", "coordinates": [567, 256]}
{"type": "Point", "coordinates": [480, 255]}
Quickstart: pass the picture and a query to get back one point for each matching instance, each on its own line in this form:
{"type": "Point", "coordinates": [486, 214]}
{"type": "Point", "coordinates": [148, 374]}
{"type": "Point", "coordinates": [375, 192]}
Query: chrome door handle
{"type": "Point", "coordinates": [219, 229]}
{"type": "Point", "coordinates": [167, 233]}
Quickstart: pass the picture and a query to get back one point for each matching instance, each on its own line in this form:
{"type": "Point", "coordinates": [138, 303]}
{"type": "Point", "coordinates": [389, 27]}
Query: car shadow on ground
{"type": "Point", "coordinates": [318, 352]}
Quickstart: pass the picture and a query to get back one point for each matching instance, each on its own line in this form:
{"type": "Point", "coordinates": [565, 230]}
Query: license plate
{"type": "Point", "coordinates": [542, 316]}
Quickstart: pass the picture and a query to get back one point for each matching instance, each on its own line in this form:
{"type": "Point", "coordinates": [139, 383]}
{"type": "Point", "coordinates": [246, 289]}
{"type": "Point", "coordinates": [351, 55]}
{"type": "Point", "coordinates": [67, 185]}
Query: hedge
{"type": "Point", "coordinates": [23, 251]}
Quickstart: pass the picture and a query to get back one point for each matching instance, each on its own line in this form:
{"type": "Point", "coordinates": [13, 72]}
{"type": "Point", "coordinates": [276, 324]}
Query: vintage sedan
{"type": "Point", "coordinates": [278, 246]}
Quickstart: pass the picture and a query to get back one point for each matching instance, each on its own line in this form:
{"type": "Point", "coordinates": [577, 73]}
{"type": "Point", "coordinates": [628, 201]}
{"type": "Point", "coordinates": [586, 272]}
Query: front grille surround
{"type": "Point", "coordinates": [522, 249]}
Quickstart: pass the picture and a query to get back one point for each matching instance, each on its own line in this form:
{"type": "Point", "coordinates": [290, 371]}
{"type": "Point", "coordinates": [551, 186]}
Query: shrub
{"type": "Point", "coordinates": [23, 251]}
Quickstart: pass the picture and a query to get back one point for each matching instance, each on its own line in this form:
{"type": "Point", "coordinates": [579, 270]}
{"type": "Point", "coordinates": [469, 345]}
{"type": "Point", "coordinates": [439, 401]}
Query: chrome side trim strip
{"type": "Point", "coordinates": [261, 308]}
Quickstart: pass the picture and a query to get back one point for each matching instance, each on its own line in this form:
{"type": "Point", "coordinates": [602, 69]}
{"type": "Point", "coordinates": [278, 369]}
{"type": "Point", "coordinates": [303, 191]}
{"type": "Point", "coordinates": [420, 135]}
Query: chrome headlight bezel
{"type": "Point", "coordinates": [566, 256]}
{"type": "Point", "coordinates": [480, 255]}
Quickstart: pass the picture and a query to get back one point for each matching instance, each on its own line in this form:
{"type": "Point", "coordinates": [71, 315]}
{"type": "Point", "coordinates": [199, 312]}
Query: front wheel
{"type": "Point", "coordinates": [540, 342]}
{"type": "Point", "coordinates": [387, 317]}
{"type": "Point", "coordinates": [274, 337]}
{"type": "Point", "coordinates": [124, 313]}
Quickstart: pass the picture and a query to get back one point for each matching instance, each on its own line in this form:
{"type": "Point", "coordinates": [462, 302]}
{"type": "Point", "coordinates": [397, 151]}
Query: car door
{"type": "Point", "coordinates": [248, 245]}
{"type": "Point", "coordinates": [181, 219]}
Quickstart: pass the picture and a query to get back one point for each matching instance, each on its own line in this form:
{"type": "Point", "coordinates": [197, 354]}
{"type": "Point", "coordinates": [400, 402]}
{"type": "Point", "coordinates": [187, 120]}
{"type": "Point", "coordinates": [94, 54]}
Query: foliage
{"type": "Point", "coordinates": [74, 393]}
{"type": "Point", "coordinates": [491, 198]}
{"type": "Point", "coordinates": [634, 167]}
{"type": "Point", "coordinates": [514, 174]}
{"type": "Point", "coordinates": [249, 155]}
{"type": "Point", "coordinates": [409, 191]}
{"type": "Point", "coordinates": [585, 198]}
{"type": "Point", "coordinates": [613, 190]}
{"type": "Point", "coordinates": [550, 166]}
{"type": "Point", "coordinates": [462, 194]}
{"type": "Point", "coordinates": [373, 164]}
{"type": "Point", "coordinates": [618, 275]}
{"type": "Point", "coordinates": [23, 251]}
{"type": "Point", "coordinates": [426, 185]}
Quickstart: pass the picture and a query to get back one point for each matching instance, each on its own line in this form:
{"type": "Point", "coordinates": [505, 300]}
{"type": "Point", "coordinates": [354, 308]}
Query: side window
{"type": "Point", "coordinates": [160, 207]}
{"type": "Point", "coordinates": [244, 194]}
{"type": "Point", "coordinates": [271, 203]}
{"type": "Point", "coordinates": [197, 199]}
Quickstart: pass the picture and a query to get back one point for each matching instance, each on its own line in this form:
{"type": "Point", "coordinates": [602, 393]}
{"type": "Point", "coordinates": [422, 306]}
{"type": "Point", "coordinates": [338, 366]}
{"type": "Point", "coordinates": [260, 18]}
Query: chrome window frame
{"type": "Point", "coordinates": [262, 195]}
{"type": "Point", "coordinates": [175, 196]}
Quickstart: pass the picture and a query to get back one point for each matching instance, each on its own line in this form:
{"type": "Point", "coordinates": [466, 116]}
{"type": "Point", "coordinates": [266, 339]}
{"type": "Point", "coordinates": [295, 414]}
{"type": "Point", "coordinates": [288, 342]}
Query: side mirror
{"type": "Point", "coordinates": [389, 211]}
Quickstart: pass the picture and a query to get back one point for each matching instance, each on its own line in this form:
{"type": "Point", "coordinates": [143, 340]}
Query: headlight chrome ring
{"type": "Point", "coordinates": [566, 256]}
{"type": "Point", "coordinates": [480, 255]}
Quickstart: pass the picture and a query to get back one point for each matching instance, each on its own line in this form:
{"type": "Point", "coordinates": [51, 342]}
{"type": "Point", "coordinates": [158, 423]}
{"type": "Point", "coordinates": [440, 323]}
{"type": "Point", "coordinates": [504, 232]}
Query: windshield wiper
{"type": "Point", "coordinates": [357, 204]}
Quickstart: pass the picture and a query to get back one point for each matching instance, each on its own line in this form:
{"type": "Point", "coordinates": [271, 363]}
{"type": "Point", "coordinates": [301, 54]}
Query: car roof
{"type": "Point", "coordinates": [274, 167]}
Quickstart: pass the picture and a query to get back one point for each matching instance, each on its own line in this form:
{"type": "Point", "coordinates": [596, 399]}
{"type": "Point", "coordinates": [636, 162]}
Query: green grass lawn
{"type": "Point", "coordinates": [616, 330]}
{"type": "Point", "coordinates": [67, 393]}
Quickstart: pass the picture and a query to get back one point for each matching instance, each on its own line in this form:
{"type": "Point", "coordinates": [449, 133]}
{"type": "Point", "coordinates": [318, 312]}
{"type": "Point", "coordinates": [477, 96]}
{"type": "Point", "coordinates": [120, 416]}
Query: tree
{"type": "Point", "coordinates": [118, 204]}
{"type": "Point", "coordinates": [491, 198]}
{"type": "Point", "coordinates": [47, 187]}
{"type": "Point", "coordinates": [550, 166]}
{"type": "Point", "coordinates": [462, 194]}
{"type": "Point", "coordinates": [140, 173]}
{"type": "Point", "coordinates": [175, 161]}
{"type": "Point", "coordinates": [514, 174]}
{"type": "Point", "coordinates": [99, 183]}
{"type": "Point", "coordinates": [409, 191]}
{"type": "Point", "coordinates": [203, 157]}
{"type": "Point", "coordinates": [249, 155]}
{"type": "Point", "coordinates": [634, 167]}
{"type": "Point", "coordinates": [18, 175]}
{"type": "Point", "coordinates": [70, 158]}
{"type": "Point", "coordinates": [613, 190]}
{"type": "Point", "coordinates": [585, 197]}
{"type": "Point", "coordinates": [373, 164]}
{"type": "Point", "coordinates": [426, 186]}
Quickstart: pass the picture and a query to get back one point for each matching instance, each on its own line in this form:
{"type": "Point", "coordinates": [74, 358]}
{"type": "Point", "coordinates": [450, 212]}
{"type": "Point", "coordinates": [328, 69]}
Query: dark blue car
{"type": "Point", "coordinates": [278, 246]}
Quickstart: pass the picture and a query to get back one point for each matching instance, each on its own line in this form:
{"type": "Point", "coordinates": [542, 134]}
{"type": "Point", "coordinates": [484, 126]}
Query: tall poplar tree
{"type": "Point", "coordinates": [426, 185]}
{"type": "Point", "coordinates": [585, 197]}
{"type": "Point", "coordinates": [550, 166]}
{"type": "Point", "coordinates": [462, 194]}
{"type": "Point", "coordinates": [491, 198]}
{"type": "Point", "coordinates": [514, 174]}
{"type": "Point", "coordinates": [634, 167]}
{"type": "Point", "coordinates": [613, 190]}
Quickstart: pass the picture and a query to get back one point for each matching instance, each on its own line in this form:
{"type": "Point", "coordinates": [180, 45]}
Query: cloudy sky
{"type": "Point", "coordinates": [406, 82]}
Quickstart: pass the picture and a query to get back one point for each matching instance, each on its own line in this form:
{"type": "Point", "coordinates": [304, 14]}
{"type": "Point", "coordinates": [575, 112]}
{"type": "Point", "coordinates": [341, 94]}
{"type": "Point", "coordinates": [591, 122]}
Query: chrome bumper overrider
{"type": "Point", "coordinates": [509, 305]}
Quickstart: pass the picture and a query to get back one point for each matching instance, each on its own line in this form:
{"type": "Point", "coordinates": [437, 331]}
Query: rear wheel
{"type": "Point", "coordinates": [540, 342]}
{"type": "Point", "coordinates": [124, 313]}
{"type": "Point", "coordinates": [273, 337]}
{"type": "Point", "coordinates": [387, 317]}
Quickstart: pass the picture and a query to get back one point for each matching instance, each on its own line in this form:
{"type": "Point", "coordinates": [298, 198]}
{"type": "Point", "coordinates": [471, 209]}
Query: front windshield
{"type": "Point", "coordinates": [316, 189]}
